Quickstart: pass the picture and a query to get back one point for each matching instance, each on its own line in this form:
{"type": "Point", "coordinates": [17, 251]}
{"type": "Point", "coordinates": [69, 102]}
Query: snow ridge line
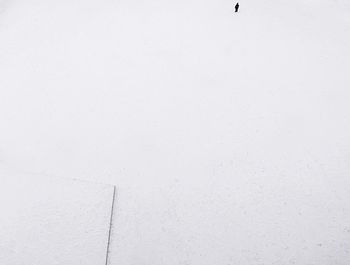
{"type": "Point", "coordinates": [110, 226]}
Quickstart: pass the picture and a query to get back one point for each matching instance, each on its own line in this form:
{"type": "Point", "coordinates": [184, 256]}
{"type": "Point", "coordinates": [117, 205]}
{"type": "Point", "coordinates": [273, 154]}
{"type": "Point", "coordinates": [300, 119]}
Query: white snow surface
{"type": "Point", "coordinates": [53, 221]}
{"type": "Point", "coordinates": [227, 135]}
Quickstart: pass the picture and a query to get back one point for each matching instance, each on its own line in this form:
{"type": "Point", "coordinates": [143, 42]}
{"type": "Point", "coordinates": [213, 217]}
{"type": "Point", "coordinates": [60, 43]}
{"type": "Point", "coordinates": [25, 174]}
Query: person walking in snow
{"type": "Point", "coordinates": [236, 7]}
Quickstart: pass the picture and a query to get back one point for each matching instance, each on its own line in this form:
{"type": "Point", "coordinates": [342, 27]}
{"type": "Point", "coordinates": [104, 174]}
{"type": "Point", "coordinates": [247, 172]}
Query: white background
{"type": "Point", "coordinates": [226, 134]}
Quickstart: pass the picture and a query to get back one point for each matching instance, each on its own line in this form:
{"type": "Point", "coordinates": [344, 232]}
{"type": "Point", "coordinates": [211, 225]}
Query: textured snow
{"type": "Point", "coordinates": [53, 221]}
{"type": "Point", "coordinates": [226, 134]}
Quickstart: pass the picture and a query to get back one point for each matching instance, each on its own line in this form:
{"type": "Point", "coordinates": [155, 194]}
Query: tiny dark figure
{"type": "Point", "coordinates": [236, 7]}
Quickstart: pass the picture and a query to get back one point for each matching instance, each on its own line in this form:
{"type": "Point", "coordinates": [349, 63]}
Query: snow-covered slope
{"type": "Point", "coordinates": [53, 221]}
{"type": "Point", "coordinates": [226, 134]}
